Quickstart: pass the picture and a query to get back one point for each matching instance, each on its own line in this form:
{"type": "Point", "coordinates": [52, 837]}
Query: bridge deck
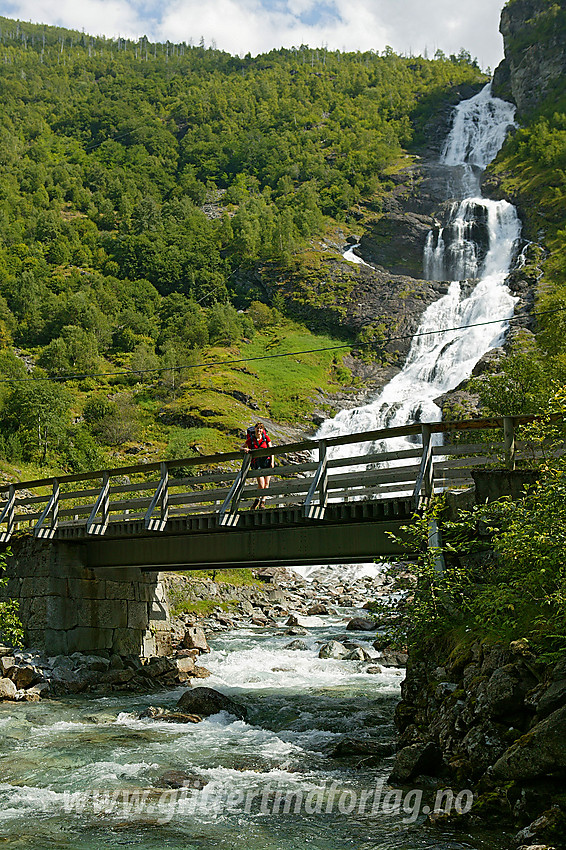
{"type": "Point", "coordinates": [329, 500]}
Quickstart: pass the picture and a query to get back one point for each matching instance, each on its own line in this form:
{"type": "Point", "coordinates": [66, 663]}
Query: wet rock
{"type": "Point", "coordinates": [333, 649]}
{"type": "Point", "coordinates": [414, 760]}
{"type": "Point", "coordinates": [362, 624]}
{"type": "Point", "coordinates": [349, 746]}
{"type": "Point", "coordinates": [185, 664]}
{"type": "Point", "coordinates": [7, 689]}
{"type": "Point", "coordinates": [94, 662]}
{"type": "Point", "coordinates": [195, 638]}
{"type": "Point", "coordinates": [259, 620]}
{"type": "Point", "coordinates": [548, 826]}
{"type": "Point", "coordinates": [7, 662]}
{"type": "Point", "coordinates": [207, 701]}
{"type": "Point", "coordinates": [536, 847]}
{"type": "Point", "coordinates": [158, 666]}
{"type": "Point", "coordinates": [393, 658]}
{"type": "Point", "coordinates": [27, 696]}
{"type": "Point", "coordinates": [116, 677]}
{"type": "Point", "coordinates": [317, 609]}
{"type": "Point", "coordinates": [169, 716]}
{"type": "Point", "coordinates": [540, 752]}
{"type": "Point", "coordinates": [356, 655]}
{"type": "Point", "coordinates": [296, 630]}
{"type": "Point", "coordinates": [373, 669]}
{"type": "Point", "coordinates": [181, 779]}
{"type": "Point", "coordinates": [24, 676]}
{"type": "Point", "coordinates": [200, 672]}
{"type": "Point", "coordinates": [296, 644]}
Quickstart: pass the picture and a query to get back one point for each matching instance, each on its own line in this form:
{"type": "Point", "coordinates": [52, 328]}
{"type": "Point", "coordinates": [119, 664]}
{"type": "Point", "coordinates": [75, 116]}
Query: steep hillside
{"type": "Point", "coordinates": [166, 206]}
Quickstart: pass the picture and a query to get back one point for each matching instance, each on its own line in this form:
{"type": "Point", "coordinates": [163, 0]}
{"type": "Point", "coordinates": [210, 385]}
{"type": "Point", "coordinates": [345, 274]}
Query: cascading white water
{"type": "Point", "coordinates": [478, 242]}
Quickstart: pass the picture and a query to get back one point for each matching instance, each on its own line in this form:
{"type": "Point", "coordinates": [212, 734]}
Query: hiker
{"type": "Point", "coordinates": [257, 438]}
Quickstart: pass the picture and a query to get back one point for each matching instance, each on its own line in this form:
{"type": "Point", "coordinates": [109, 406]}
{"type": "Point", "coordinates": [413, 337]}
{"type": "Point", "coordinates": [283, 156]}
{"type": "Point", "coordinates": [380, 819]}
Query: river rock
{"type": "Point", "coordinates": [317, 609]}
{"type": "Point", "coordinates": [333, 649]}
{"type": "Point", "coordinates": [373, 669]}
{"type": "Point", "coordinates": [550, 826]}
{"type": "Point", "coordinates": [259, 620]}
{"type": "Point", "coordinates": [540, 752]}
{"type": "Point", "coordinates": [414, 760]}
{"type": "Point", "coordinates": [296, 630]}
{"type": "Point", "coordinates": [349, 746]}
{"type": "Point", "coordinates": [362, 624]}
{"type": "Point", "coordinates": [296, 644]}
{"type": "Point", "coordinates": [24, 676]}
{"type": "Point", "coordinates": [393, 658]}
{"type": "Point", "coordinates": [185, 664]}
{"type": "Point", "coordinates": [169, 716]}
{"type": "Point", "coordinates": [207, 701]}
{"type": "Point", "coordinates": [7, 689]}
{"type": "Point", "coordinates": [117, 677]}
{"type": "Point", "coordinates": [94, 662]}
{"type": "Point", "coordinates": [195, 638]}
{"type": "Point", "coordinates": [7, 662]}
{"type": "Point", "coordinates": [157, 666]}
{"type": "Point", "coordinates": [180, 779]}
{"type": "Point", "coordinates": [200, 672]}
{"type": "Point", "coordinates": [356, 654]}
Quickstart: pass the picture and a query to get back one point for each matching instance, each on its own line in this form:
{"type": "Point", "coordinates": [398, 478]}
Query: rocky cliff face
{"type": "Point", "coordinates": [490, 718]}
{"type": "Point", "coordinates": [534, 35]}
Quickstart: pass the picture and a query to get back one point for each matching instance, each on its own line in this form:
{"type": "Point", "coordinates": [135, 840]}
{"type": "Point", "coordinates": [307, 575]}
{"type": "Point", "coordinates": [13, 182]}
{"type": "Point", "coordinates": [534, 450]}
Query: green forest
{"type": "Point", "coordinates": [149, 192]}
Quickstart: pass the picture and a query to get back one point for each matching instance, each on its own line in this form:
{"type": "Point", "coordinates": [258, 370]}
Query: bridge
{"type": "Point", "coordinates": [90, 549]}
{"type": "Point", "coordinates": [330, 500]}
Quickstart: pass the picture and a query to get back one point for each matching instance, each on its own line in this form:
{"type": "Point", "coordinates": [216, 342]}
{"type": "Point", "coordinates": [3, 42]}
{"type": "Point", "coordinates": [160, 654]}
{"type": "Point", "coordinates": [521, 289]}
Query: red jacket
{"type": "Point", "coordinates": [252, 441]}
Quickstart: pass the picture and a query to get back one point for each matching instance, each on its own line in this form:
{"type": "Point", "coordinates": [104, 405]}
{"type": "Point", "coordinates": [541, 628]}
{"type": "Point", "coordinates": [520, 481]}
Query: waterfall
{"type": "Point", "coordinates": [477, 242]}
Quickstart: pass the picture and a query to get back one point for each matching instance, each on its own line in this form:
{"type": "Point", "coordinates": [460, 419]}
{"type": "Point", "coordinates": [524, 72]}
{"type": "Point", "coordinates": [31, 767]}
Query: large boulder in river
{"type": "Point", "coordinates": [317, 609]}
{"type": "Point", "coordinates": [195, 638]}
{"type": "Point", "coordinates": [207, 701]}
{"type": "Point", "coordinates": [296, 644]}
{"type": "Point", "coordinates": [362, 624]}
{"type": "Point", "coordinates": [7, 689]}
{"type": "Point", "coordinates": [158, 713]}
{"type": "Point", "coordinates": [333, 649]}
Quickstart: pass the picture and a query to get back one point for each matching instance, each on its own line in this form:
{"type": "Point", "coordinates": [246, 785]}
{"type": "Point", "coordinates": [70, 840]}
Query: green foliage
{"type": "Point", "coordinates": [522, 384]}
{"type": "Point", "coordinates": [144, 189]}
{"type": "Point", "coordinates": [505, 573]}
{"type": "Point", "coordinates": [435, 590]}
{"type": "Point", "coordinates": [37, 412]}
{"type": "Point", "coordinates": [11, 629]}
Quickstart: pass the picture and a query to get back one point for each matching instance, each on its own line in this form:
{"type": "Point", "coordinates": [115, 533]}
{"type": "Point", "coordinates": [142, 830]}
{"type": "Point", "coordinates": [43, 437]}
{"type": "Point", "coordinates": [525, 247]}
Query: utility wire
{"type": "Point", "coordinates": [63, 378]}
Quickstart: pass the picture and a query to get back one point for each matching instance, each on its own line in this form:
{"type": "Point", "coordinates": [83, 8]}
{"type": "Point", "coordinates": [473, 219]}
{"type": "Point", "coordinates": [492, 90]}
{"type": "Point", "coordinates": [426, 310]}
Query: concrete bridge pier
{"type": "Point", "coordinates": [66, 607]}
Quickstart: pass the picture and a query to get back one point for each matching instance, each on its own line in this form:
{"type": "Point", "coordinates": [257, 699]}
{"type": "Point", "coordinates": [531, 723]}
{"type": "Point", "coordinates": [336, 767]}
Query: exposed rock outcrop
{"type": "Point", "coordinates": [207, 701]}
{"type": "Point", "coordinates": [492, 717]}
{"type": "Point", "coordinates": [534, 35]}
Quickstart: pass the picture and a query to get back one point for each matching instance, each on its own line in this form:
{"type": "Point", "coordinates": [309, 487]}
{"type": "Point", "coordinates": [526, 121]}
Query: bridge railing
{"type": "Point", "coordinates": [224, 484]}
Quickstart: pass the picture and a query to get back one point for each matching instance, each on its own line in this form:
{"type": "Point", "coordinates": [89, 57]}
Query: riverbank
{"type": "Point", "coordinates": [491, 717]}
{"type": "Point", "coordinates": [204, 607]}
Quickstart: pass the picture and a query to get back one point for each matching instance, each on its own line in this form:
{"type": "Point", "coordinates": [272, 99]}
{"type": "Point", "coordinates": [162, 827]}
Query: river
{"type": "Point", "coordinates": [86, 772]}
{"type": "Point", "coordinates": [75, 770]}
